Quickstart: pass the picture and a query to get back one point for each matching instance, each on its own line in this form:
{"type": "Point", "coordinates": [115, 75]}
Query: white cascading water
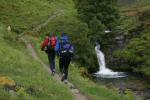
{"type": "Point", "coordinates": [103, 71]}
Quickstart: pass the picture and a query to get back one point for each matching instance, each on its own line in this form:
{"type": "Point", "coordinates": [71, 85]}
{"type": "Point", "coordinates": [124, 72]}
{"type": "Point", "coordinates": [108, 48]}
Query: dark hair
{"type": "Point", "coordinates": [62, 34]}
{"type": "Point", "coordinates": [47, 34]}
{"type": "Point", "coordinates": [51, 34]}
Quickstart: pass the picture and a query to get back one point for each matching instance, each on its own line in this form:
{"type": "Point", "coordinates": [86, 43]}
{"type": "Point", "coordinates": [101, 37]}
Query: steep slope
{"type": "Point", "coordinates": [136, 28]}
{"type": "Point", "coordinates": [92, 90]}
{"type": "Point", "coordinates": [31, 80]}
{"type": "Point", "coordinates": [26, 14]}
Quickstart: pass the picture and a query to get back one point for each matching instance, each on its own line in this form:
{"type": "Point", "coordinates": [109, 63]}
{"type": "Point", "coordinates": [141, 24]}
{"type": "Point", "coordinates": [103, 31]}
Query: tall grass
{"type": "Point", "coordinates": [31, 79]}
{"type": "Point", "coordinates": [85, 85]}
{"type": "Point", "coordinates": [26, 14]}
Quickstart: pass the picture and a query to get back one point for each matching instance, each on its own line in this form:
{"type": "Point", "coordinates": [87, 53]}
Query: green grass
{"type": "Point", "coordinates": [93, 90]}
{"type": "Point", "coordinates": [26, 14]}
{"type": "Point", "coordinates": [133, 19]}
{"type": "Point", "coordinates": [86, 86]}
{"type": "Point", "coordinates": [17, 63]}
{"type": "Point", "coordinates": [36, 42]}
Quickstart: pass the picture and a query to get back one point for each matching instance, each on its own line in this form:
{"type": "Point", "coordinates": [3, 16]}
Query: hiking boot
{"type": "Point", "coordinates": [65, 81]}
{"type": "Point", "coordinates": [53, 73]}
{"type": "Point", "coordinates": [63, 77]}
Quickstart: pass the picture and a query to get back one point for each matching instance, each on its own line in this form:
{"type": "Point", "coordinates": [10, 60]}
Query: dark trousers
{"type": "Point", "coordinates": [64, 65]}
{"type": "Point", "coordinates": [51, 58]}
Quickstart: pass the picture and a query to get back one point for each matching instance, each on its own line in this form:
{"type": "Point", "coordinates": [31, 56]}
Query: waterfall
{"type": "Point", "coordinates": [103, 70]}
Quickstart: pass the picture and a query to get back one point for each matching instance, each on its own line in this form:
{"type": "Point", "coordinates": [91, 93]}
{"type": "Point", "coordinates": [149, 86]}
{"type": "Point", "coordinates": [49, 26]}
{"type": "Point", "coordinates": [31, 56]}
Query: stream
{"type": "Point", "coordinates": [136, 83]}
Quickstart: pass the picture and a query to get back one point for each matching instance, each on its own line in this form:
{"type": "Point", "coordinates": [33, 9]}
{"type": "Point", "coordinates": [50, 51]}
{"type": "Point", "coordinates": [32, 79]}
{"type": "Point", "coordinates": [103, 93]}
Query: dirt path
{"type": "Point", "coordinates": [75, 92]}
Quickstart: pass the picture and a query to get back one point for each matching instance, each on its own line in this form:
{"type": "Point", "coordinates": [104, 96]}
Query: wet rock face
{"type": "Point", "coordinates": [115, 43]}
{"type": "Point", "coordinates": [120, 41]}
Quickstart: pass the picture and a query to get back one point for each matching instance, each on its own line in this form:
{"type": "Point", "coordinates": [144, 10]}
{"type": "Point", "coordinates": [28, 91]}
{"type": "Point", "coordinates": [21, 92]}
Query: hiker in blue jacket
{"type": "Point", "coordinates": [64, 50]}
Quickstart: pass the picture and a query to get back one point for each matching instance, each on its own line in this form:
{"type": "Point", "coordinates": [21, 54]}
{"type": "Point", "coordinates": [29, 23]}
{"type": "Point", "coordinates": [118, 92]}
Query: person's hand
{"type": "Point", "coordinates": [42, 49]}
{"type": "Point", "coordinates": [57, 54]}
{"type": "Point", "coordinates": [46, 51]}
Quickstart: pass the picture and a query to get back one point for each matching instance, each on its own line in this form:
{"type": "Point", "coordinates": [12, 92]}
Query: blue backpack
{"type": "Point", "coordinates": [66, 48]}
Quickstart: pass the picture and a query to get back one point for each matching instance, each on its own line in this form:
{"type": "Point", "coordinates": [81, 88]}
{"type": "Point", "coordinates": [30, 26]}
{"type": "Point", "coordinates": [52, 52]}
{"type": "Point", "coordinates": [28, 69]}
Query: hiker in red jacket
{"type": "Point", "coordinates": [48, 46]}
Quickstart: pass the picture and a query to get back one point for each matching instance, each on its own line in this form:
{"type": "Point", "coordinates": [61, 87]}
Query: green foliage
{"type": "Point", "coordinates": [77, 31]}
{"type": "Point", "coordinates": [104, 11]}
{"type": "Point", "coordinates": [94, 91]}
{"type": "Point", "coordinates": [130, 95]}
{"type": "Point", "coordinates": [137, 53]}
{"type": "Point", "coordinates": [24, 15]}
{"type": "Point", "coordinates": [100, 15]}
{"type": "Point", "coordinates": [128, 23]}
{"type": "Point", "coordinates": [96, 29]}
{"type": "Point", "coordinates": [4, 95]}
{"type": "Point", "coordinates": [84, 84]}
{"type": "Point", "coordinates": [145, 20]}
{"type": "Point", "coordinates": [34, 81]}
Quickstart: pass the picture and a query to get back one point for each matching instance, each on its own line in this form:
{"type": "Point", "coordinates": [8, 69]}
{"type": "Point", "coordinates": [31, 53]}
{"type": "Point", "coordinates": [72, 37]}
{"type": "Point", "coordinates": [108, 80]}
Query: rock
{"type": "Point", "coordinates": [9, 28]}
{"type": "Point", "coordinates": [6, 81]}
{"type": "Point", "coordinates": [75, 90]}
{"type": "Point", "coordinates": [13, 93]}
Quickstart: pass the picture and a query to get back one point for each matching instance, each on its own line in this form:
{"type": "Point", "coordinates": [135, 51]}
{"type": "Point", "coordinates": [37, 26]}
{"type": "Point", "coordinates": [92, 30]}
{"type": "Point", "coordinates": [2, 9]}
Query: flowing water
{"type": "Point", "coordinates": [103, 71]}
{"type": "Point", "coordinates": [136, 83]}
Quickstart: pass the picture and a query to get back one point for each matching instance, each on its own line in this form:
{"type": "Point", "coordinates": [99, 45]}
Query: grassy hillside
{"type": "Point", "coordinates": [39, 11]}
{"type": "Point", "coordinates": [31, 80]}
{"type": "Point", "coordinates": [16, 64]}
{"type": "Point", "coordinates": [84, 84]}
{"type": "Point", "coordinates": [26, 14]}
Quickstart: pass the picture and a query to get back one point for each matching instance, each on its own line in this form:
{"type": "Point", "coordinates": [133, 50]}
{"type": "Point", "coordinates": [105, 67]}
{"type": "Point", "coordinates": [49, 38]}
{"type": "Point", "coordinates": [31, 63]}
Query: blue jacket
{"type": "Point", "coordinates": [62, 39]}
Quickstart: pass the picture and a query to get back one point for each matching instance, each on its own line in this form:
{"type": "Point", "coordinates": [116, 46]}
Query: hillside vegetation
{"type": "Point", "coordinates": [30, 80]}
{"type": "Point", "coordinates": [26, 14]}
{"type": "Point", "coordinates": [78, 76]}
{"type": "Point", "coordinates": [135, 26]}
{"type": "Point", "coordinates": [133, 7]}
{"type": "Point", "coordinates": [21, 76]}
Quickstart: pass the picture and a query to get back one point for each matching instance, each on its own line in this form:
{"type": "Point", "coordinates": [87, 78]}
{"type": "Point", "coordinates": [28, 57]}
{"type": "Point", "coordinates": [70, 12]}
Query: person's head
{"type": "Point", "coordinates": [63, 34]}
{"type": "Point", "coordinates": [47, 35]}
{"type": "Point", "coordinates": [51, 34]}
{"type": "Point", "coordinates": [64, 37]}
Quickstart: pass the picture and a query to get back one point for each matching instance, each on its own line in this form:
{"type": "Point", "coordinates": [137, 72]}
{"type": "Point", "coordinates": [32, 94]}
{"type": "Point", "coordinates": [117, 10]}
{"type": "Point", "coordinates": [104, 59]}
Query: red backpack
{"type": "Point", "coordinates": [52, 41]}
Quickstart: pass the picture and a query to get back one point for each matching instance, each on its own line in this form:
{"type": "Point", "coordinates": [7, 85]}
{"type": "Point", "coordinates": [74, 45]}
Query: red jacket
{"type": "Point", "coordinates": [45, 43]}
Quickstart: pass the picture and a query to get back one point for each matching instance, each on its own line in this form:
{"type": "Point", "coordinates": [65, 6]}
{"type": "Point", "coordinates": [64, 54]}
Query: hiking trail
{"type": "Point", "coordinates": [73, 90]}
